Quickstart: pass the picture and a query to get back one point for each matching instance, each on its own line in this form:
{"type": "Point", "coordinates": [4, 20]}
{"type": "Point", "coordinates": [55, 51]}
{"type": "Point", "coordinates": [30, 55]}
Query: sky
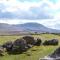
{"type": "Point", "coordinates": [46, 12]}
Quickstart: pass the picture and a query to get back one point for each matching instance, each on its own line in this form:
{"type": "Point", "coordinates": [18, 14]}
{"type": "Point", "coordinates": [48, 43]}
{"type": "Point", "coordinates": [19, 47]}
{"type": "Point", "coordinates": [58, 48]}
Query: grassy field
{"type": "Point", "coordinates": [35, 52]}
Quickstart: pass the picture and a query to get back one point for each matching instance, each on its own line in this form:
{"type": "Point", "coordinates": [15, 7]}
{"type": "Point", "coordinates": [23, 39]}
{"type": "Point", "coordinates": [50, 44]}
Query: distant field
{"type": "Point", "coordinates": [40, 51]}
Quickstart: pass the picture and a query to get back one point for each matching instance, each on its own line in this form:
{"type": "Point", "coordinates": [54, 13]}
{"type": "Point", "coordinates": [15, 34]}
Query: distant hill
{"type": "Point", "coordinates": [36, 27]}
{"type": "Point", "coordinates": [26, 27]}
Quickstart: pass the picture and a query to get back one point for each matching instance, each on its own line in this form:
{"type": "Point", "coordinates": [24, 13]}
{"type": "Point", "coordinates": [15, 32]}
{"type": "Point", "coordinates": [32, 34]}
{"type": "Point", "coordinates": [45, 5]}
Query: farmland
{"type": "Point", "coordinates": [33, 53]}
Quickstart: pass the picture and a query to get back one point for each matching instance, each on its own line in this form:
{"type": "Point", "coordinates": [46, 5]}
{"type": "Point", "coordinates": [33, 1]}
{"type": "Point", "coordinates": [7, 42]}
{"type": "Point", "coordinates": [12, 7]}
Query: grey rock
{"type": "Point", "coordinates": [29, 39]}
{"type": "Point", "coordinates": [51, 42]}
{"type": "Point", "coordinates": [38, 42]}
{"type": "Point", "coordinates": [56, 53]}
{"type": "Point", "coordinates": [8, 45]}
{"type": "Point", "coordinates": [2, 51]}
{"type": "Point", "coordinates": [19, 45]}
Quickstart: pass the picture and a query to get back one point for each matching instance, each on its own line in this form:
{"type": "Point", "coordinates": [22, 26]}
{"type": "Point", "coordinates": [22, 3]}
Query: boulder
{"type": "Point", "coordinates": [56, 53]}
{"type": "Point", "coordinates": [38, 42]}
{"type": "Point", "coordinates": [53, 56]}
{"type": "Point", "coordinates": [8, 45]}
{"type": "Point", "coordinates": [51, 42]}
{"type": "Point", "coordinates": [2, 51]}
{"type": "Point", "coordinates": [48, 58]}
{"type": "Point", "coordinates": [29, 45]}
{"type": "Point", "coordinates": [19, 45]}
{"type": "Point", "coordinates": [29, 39]}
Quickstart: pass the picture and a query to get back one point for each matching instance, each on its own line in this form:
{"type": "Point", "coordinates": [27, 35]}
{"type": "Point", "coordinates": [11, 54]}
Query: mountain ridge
{"type": "Point", "coordinates": [36, 27]}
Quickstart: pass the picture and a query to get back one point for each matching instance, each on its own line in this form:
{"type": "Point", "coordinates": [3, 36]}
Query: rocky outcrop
{"type": "Point", "coordinates": [2, 51]}
{"type": "Point", "coordinates": [51, 42]}
{"type": "Point", "coordinates": [54, 56]}
{"type": "Point", "coordinates": [8, 45]}
{"type": "Point", "coordinates": [38, 42]}
{"type": "Point", "coordinates": [19, 45]}
{"type": "Point", "coordinates": [26, 42]}
{"type": "Point", "coordinates": [29, 39]}
{"type": "Point", "coordinates": [56, 53]}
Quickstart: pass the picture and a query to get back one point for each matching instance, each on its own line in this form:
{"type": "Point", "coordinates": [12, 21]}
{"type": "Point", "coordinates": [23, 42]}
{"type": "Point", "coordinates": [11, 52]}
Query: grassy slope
{"type": "Point", "coordinates": [40, 51]}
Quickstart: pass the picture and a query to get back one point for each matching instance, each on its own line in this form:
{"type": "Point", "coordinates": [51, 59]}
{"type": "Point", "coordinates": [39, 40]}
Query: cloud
{"type": "Point", "coordinates": [51, 23]}
{"type": "Point", "coordinates": [26, 10]}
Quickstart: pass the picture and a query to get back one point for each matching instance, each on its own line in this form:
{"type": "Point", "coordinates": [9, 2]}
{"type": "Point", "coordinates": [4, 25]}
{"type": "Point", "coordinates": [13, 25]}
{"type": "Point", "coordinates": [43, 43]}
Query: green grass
{"type": "Point", "coordinates": [35, 52]}
{"type": "Point", "coordinates": [4, 39]}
